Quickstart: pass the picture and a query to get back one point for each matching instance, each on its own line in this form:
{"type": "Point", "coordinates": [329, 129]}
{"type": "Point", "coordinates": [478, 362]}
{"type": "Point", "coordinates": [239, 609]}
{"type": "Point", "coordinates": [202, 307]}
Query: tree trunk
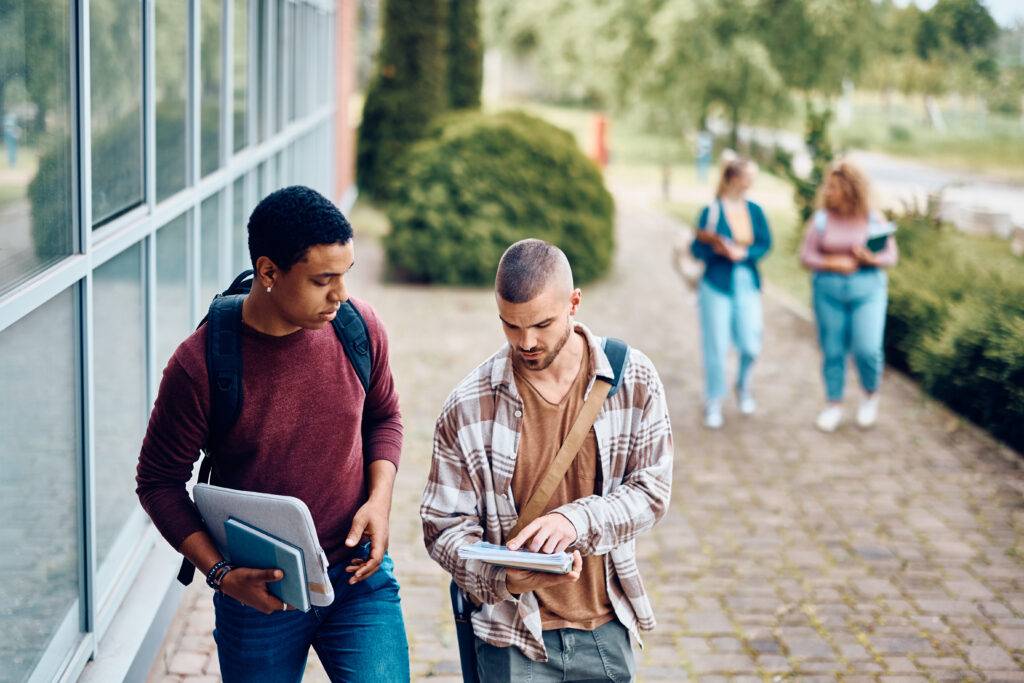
{"type": "Point", "coordinates": [734, 132]}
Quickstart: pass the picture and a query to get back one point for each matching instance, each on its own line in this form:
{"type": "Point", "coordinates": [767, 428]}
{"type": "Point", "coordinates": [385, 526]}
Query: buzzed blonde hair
{"type": "Point", "coordinates": [527, 267]}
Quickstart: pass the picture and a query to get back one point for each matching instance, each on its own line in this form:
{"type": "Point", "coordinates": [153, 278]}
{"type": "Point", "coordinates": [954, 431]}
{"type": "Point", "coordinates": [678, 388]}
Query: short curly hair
{"type": "Point", "coordinates": [289, 221]}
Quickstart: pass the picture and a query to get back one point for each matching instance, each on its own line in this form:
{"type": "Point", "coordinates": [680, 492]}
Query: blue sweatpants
{"type": "Point", "coordinates": [850, 310]}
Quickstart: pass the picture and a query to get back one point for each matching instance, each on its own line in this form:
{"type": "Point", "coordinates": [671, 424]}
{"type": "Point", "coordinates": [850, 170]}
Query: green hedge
{"type": "Point", "coordinates": [481, 182]}
{"type": "Point", "coordinates": [406, 93]}
{"type": "Point", "coordinates": [465, 56]}
{"type": "Point", "coordinates": [956, 323]}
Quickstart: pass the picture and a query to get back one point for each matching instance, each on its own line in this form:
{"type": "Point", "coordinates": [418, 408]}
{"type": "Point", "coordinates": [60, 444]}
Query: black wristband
{"type": "Point", "coordinates": [217, 574]}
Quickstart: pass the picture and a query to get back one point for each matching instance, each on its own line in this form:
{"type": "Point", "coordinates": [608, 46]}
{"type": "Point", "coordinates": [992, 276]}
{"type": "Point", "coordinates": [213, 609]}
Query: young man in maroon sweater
{"type": "Point", "coordinates": [306, 429]}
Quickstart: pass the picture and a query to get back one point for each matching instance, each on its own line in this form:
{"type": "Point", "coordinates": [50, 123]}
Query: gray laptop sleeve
{"type": "Point", "coordinates": [286, 517]}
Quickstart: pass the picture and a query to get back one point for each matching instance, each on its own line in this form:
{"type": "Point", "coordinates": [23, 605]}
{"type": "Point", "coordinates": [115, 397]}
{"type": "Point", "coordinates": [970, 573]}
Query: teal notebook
{"type": "Point", "coordinates": [252, 547]}
{"type": "Point", "coordinates": [879, 235]}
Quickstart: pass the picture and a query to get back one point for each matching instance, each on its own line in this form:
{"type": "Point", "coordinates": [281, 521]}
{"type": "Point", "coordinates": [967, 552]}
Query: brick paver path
{"type": "Point", "coordinates": [890, 555]}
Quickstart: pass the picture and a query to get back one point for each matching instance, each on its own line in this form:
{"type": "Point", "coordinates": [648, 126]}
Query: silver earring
{"type": "Point", "coordinates": [268, 289]}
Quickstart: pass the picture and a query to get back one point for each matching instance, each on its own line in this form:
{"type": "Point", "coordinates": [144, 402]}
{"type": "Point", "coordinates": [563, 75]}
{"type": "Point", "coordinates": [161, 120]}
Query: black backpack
{"type": "Point", "coordinates": [224, 366]}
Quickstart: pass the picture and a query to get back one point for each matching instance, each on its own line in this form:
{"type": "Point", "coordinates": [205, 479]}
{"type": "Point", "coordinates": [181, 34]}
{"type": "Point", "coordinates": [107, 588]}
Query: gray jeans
{"type": "Point", "coordinates": [604, 654]}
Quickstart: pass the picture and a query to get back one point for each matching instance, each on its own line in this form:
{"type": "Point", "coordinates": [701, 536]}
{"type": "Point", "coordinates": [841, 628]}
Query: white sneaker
{"type": "Point", "coordinates": [748, 406]}
{"type": "Point", "coordinates": [713, 415]}
{"type": "Point", "coordinates": [829, 419]}
{"type": "Point", "coordinates": [867, 413]}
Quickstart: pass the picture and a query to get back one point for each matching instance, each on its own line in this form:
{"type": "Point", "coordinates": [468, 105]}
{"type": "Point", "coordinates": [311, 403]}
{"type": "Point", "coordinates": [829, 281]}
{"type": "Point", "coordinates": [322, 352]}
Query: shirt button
{"type": "Point", "coordinates": [518, 413]}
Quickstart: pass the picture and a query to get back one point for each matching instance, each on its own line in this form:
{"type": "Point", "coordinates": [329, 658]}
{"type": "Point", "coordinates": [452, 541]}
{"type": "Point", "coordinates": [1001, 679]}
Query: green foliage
{"type": "Point", "coordinates": [966, 23]}
{"type": "Point", "coordinates": [819, 145]}
{"type": "Point", "coordinates": [407, 91]}
{"type": "Point", "coordinates": [957, 325]}
{"type": "Point", "coordinates": [482, 182]}
{"type": "Point", "coordinates": [465, 54]}
{"type": "Point", "coordinates": [833, 43]}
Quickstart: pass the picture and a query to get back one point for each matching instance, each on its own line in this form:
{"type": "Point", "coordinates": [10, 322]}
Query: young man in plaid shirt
{"type": "Point", "coordinates": [493, 443]}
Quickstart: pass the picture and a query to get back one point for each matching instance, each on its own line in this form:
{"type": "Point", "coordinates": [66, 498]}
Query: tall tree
{"type": "Point", "coordinates": [465, 54]}
{"type": "Point", "coordinates": [407, 91]}
{"type": "Point", "coordinates": [815, 44]}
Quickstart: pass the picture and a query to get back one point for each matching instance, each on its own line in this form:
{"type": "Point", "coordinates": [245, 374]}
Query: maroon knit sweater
{"type": "Point", "coordinates": [300, 433]}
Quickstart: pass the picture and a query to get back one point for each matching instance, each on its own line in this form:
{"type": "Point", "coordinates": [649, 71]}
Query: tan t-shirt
{"type": "Point", "coordinates": [740, 224]}
{"type": "Point", "coordinates": [584, 604]}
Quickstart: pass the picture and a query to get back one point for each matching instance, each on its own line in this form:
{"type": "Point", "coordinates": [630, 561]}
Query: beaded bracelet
{"type": "Point", "coordinates": [216, 575]}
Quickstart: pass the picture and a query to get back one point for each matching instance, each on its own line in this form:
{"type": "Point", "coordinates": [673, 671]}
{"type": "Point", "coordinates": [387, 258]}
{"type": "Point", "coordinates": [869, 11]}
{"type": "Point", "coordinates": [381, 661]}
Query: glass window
{"type": "Point", "coordinates": [35, 125]}
{"type": "Point", "coordinates": [40, 465]}
{"type": "Point", "coordinates": [119, 369]}
{"type": "Point", "coordinates": [115, 59]}
{"type": "Point", "coordinates": [282, 96]}
{"type": "Point", "coordinates": [240, 236]}
{"type": "Point", "coordinates": [210, 246]}
{"type": "Point", "coordinates": [173, 319]}
{"type": "Point", "coordinates": [262, 77]}
{"type": "Point", "coordinates": [262, 181]}
{"type": "Point", "coordinates": [210, 85]}
{"type": "Point", "coordinates": [171, 88]}
{"type": "Point", "coordinates": [241, 72]}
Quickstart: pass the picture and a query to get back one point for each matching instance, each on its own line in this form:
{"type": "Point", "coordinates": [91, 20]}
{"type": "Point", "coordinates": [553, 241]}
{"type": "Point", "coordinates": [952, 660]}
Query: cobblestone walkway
{"type": "Point", "coordinates": [890, 555]}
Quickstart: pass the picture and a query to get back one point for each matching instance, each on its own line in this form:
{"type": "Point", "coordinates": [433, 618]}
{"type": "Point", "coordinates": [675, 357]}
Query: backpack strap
{"type": "Point", "coordinates": [714, 211]}
{"type": "Point", "coordinates": [350, 327]}
{"type": "Point", "coordinates": [820, 220]}
{"type": "Point", "coordinates": [224, 364]}
{"type": "Point", "coordinates": [617, 352]}
{"type": "Point", "coordinates": [224, 369]}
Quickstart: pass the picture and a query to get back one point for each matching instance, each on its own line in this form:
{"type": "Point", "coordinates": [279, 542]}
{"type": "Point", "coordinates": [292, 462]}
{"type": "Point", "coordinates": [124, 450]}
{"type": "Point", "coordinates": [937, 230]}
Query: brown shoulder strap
{"type": "Point", "coordinates": [566, 454]}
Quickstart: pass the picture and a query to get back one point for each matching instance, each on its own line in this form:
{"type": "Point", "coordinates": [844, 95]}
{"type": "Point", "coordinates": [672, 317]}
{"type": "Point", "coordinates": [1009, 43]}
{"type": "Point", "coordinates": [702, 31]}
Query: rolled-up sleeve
{"type": "Point", "coordinates": [450, 512]}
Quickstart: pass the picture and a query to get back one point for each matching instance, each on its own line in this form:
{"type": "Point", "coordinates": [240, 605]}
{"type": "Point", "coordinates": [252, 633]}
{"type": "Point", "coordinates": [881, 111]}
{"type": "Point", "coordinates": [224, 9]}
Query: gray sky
{"type": "Point", "coordinates": [1005, 12]}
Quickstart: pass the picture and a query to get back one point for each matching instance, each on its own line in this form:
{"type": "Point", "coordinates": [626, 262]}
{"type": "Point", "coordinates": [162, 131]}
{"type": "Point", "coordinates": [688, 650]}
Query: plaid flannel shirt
{"type": "Point", "coordinates": [468, 496]}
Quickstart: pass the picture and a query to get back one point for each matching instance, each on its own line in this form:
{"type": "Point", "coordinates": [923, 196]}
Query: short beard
{"type": "Point", "coordinates": [544, 362]}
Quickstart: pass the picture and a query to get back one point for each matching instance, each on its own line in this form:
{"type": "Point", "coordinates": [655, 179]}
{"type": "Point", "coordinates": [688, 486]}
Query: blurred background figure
{"type": "Point", "coordinates": [733, 236]}
{"type": "Point", "coordinates": [848, 246]}
{"type": "Point", "coordinates": [11, 134]}
{"type": "Point", "coordinates": [704, 147]}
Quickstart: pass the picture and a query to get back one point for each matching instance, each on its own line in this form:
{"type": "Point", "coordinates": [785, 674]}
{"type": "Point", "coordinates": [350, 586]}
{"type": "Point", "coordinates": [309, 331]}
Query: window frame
{"type": "Point", "coordinates": [102, 590]}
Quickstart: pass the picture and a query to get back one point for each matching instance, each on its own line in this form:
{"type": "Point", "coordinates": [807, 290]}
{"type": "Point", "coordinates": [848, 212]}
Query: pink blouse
{"type": "Point", "coordinates": [840, 236]}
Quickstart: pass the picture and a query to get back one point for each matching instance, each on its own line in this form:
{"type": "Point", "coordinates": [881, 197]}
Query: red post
{"type": "Point", "coordinates": [599, 151]}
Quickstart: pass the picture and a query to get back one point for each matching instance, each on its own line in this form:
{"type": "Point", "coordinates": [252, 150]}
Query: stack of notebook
{"type": "Point", "coordinates": [553, 563]}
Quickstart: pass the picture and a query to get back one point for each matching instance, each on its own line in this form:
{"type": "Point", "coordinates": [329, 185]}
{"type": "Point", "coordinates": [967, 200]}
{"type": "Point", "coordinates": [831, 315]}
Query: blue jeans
{"type": "Point", "coordinates": [359, 637]}
{"type": "Point", "coordinates": [850, 310]}
{"type": "Point", "coordinates": [730, 317]}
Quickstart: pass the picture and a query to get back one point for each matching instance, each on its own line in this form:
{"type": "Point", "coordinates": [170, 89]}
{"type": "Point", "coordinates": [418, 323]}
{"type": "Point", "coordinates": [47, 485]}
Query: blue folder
{"type": "Point", "coordinates": [251, 547]}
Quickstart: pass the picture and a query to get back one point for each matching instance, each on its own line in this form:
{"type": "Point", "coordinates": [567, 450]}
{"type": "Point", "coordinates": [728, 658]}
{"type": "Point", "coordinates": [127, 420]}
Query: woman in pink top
{"type": "Point", "coordinates": [848, 247]}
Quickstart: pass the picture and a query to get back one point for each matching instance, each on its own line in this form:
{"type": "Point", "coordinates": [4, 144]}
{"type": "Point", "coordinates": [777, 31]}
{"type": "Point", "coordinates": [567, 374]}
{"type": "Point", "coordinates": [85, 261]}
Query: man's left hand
{"type": "Point", "coordinates": [551, 533]}
{"type": "Point", "coordinates": [372, 521]}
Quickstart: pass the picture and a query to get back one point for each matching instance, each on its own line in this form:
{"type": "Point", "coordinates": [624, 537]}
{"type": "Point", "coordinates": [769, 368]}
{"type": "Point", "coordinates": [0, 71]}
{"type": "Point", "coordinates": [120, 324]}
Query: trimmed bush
{"type": "Point", "coordinates": [957, 326]}
{"type": "Point", "coordinates": [407, 91]}
{"type": "Point", "coordinates": [482, 182]}
{"type": "Point", "coordinates": [465, 54]}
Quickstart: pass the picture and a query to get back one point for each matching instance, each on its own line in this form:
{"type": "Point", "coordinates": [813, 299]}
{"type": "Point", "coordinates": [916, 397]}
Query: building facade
{"type": "Point", "coordinates": [137, 137]}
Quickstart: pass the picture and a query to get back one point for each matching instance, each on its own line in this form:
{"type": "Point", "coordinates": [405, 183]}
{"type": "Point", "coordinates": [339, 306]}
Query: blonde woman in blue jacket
{"type": "Point", "coordinates": [732, 236]}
